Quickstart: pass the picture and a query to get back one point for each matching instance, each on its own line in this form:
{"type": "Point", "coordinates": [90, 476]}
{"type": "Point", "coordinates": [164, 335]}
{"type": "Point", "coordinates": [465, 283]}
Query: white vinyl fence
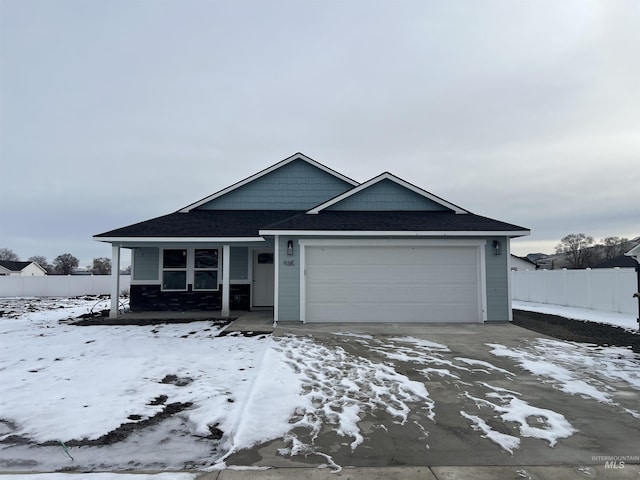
{"type": "Point", "coordinates": [608, 289]}
{"type": "Point", "coordinates": [59, 285]}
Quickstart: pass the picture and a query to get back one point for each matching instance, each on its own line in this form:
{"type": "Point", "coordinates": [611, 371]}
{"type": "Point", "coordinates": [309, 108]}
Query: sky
{"type": "Point", "coordinates": [114, 112]}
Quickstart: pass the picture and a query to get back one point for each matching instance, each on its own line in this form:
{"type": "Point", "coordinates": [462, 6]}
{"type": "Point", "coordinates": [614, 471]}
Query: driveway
{"type": "Point", "coordinates": [454, 395]}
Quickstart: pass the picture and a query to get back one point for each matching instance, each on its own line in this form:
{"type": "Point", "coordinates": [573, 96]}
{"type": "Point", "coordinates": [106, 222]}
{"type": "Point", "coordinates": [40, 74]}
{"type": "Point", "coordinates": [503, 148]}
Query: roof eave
{"type": "Point", "coordinates": [178, 239]}
{"type": "Point", "coordinates": [634, 253]}
{"type": "Point", "coordinates": [399, 233]}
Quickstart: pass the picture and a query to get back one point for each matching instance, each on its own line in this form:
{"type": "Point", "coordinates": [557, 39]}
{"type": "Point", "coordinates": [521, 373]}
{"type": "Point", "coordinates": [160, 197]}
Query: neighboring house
{"type": "Point", "coordinates": [22, 269]}
{"type": "Point", "coordinates": [621, 261]}
{"type": "Point", "coordinates": [635, 254]}
{"type": "Point", "coordinates": [317, 246]}
{"type": "Point", "coordinates": [521, 263]}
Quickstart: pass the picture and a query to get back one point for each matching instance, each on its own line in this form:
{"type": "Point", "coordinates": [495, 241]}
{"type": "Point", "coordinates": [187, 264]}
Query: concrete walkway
{"type": "Point", "coordinates": [612, 470]}
{"type": "Point", "coordinates": [622, 472]}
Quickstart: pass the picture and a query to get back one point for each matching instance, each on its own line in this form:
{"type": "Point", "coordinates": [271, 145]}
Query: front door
{"type": "Point", "coordinates": [263, 278]}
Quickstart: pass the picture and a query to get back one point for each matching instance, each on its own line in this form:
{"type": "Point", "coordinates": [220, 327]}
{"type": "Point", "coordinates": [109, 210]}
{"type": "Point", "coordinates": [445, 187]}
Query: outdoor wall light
{"type": "Point", "coordinates": [290, 247]}
{"type": "Point", "coordinates": [497, 247]}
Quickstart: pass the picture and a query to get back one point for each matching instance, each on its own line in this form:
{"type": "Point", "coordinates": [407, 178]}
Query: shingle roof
{"type": "Point", "coordinates": [203, 223]}
{"type": "Point", "coordinates": [394, 221]}
{"type": "Point", "coordinates": [622, 261]}
{"type": "Point", "coordinates": [14, 266]}
{"type": "Point", "coordinates": [248, 223]}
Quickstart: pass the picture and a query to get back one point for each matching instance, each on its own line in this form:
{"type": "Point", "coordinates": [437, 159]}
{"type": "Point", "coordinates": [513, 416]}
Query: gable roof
{"type": "Point", "coordinates": [361, 210]}
{"type": "Point", "coordinates": [16, 266]}
{"type": "Point", "coordinates": [262, 173]}
{"type": "Point", "coordinates": [376, 180]}
{"type": "Point", "coordinates": [524, 259]}
{"type": "Point", "coordinates": [634, 252]}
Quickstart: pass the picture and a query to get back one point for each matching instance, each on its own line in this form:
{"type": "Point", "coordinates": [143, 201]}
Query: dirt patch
{"type": "Point", "coordinates": [177, 381]}
{"type": "Point", "coordinates": [86, 322]}
{"type": "Point", "coordinates": [577, 330]}
{"type": "Point", "coordinates": [237, 333]}
{"type": "Point", "coordinates": [117, 435]}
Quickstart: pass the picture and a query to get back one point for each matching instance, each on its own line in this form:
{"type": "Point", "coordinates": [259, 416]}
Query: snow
{"type": "Point", "coordinates": [339, 389]}
{"type": "Point", "coordinates": [624, 320]}
{"type": "Point", "coordinates": [548, 425]}
{"type": "Point", "coordinates": [578, 368]}
{"type": "Point", "coordinates": [65, 383]}
{"type": "Point", "coordinates": [231, 392]}
{"type": "Point", "coordinates": [87, 399]}
{"type": "Point", "coordinates": [72, 386]}
{"type": "Point", "coordinates": [507, 442]}
{"type": "Point", "coordinates": [103, 476]}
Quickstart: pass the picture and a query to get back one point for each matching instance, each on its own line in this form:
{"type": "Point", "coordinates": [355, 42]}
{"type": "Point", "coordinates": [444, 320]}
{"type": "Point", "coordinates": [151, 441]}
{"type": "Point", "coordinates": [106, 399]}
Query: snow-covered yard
{"type": "Point", "coordinates": [176, 396]}
{"type": "Point", "coordinates": [624, 320]}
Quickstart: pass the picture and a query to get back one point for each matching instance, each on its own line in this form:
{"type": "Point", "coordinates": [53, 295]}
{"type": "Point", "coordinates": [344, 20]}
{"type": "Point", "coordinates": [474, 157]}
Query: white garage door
{"type": "Point", "coordinates": [392, 284]}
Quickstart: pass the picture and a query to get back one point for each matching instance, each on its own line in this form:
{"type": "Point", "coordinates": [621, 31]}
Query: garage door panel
{"type": "Point", "coordinates": [384, 256]}
{"type": "Point", "coordinates": [379, 284]}
{"type": "Point", "coordinates": [390, 313]}
{"type": "Point", "coordinates": [407, 294]}
{"type": "Point", "coordinates": [408, 274]}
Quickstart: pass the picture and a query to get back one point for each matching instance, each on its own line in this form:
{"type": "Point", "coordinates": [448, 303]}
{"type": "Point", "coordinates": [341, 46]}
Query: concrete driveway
{"type": "Point", "coordinates": [497, 395]}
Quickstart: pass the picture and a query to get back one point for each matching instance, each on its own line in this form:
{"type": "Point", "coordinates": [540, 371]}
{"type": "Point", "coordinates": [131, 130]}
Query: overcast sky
{"type": "Point", "coordinates": [114, 112]}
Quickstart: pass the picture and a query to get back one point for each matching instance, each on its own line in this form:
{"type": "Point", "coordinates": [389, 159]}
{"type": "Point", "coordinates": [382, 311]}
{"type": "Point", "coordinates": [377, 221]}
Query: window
{"type": "Point", "coordinates": [184, 269]}
{"type": "Point", "coordinates": [174, 269]}
{"type": "Point", "coordinates": [205, 269]}
{"type": "Point", "coordinates": [265, 258]}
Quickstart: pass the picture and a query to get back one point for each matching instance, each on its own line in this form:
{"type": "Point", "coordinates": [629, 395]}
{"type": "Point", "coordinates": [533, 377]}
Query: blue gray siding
{"type": "Point", "coordinates": [387, 196]}
{"type": "Point", "coordinates": [239, 263]}
{"type": "Point", "coordinates": [295, 186]}
{"type": "Point", "coordinates": [289, 279]}
{"type": "Point", "coordinates": [497, 272]}
{"type": "Point", "coordinates": [145, 263]}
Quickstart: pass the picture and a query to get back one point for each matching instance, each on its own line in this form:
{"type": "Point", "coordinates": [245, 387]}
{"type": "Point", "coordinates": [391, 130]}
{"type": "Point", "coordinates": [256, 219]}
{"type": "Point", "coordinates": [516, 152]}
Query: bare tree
{"type": "Point", "coordinates": [101, 266]}
{"type": "Point", "coordinates": [65, 263]}
{"type": "Point", "coordinates": [613, 247]}
{"type": "Point", "coordinates": [576, 248]}
{"type": "Point", "coordinates": [8, 254]}
{"type": "Point", "coordinates": [42, 261]}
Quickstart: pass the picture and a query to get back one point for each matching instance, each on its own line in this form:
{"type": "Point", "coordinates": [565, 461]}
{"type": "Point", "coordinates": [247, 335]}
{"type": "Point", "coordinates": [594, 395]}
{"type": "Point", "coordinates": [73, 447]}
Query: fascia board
{"type": "Point", "coordinates": [397, 233]}
{"type": "Point", "coordinates": [339, 242]}
{"type": "Point", "coordinates": [39, 266]}
{"type": "Point", "coordinates": [178, 239]}
{"type": "Point", "coordinates": [264, 172]}
{"type": "Point", "coordinates": [393, 178]}
{"type": "Point", "coordinates": [635, 253]}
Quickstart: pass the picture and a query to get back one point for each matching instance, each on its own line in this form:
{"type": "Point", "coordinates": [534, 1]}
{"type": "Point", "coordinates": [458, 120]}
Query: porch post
{"type": "Point", "coordinates": [226, 265]}
{"type": "Point", "coordinates": [115, 280]}
{"type": "Point", "coordinates": [276, 279]}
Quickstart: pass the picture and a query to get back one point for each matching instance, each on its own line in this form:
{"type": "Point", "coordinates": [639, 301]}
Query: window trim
{"type": "Point", "coordinates": [206, 269]}
{"type": "Point", "coordinates": [190, 269]}
{"type": "Point", "coordinates": [184, 269]}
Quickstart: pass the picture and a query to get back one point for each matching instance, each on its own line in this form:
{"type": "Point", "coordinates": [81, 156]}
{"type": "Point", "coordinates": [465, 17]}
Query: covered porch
{"type": "Point", "coordinates": [196, 279]}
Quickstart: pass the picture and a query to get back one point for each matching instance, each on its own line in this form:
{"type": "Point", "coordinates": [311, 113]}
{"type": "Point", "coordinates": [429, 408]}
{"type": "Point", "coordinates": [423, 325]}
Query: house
{"type": "Point", "coordinates": [521, 263]}
{"type": "Point", "coordinates": [317, 246]}
{"type": "Point", "coordinates": [22, 269]}
{"type": "Point", "coordinates": [621, 261]}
